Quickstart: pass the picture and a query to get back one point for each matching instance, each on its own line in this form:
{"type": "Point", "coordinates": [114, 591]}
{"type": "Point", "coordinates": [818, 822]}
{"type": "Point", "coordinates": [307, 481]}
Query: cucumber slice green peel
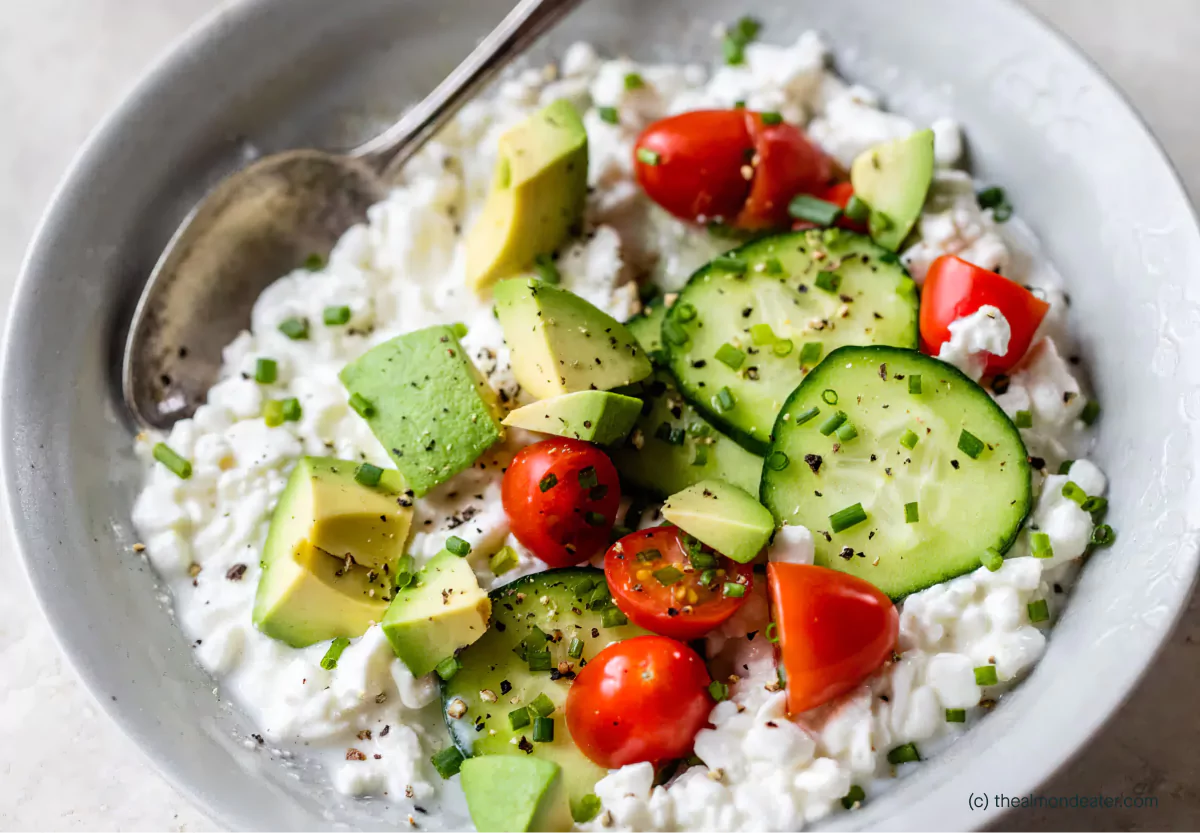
{"type": "Point", "coordinates": [967, 504]}
{"type": "Point", "coordinates": [824, 289]}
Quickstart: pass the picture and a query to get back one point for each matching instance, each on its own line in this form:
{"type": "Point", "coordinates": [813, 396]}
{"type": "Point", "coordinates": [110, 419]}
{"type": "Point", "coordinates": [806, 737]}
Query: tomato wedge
{"type": "Point", "coordinates": [671, 584]}
{"type": "Point", "coordinates": [643, 699]}
{"type": "Point", "coordinates": [786, 163]}
{"type": "Point", "coordinates": [955, 288]}
{"type": "Point", "coordinates": [834, 630]}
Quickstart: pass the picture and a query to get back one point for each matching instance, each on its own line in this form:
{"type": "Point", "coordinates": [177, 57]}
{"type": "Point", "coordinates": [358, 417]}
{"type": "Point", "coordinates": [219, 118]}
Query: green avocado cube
{"type": "Point", "coordinates": [426, 403]}
{"type": "Point", "coordinates": [509, 792]}
{"type": "Point", "coordinates": [443, 610]}
{"type": "Point", "coordinates": [722, 516]}
{"type": "Point", "coordinates": [597, 416]}
{"type": "Point", "coordinates": [893, 179]}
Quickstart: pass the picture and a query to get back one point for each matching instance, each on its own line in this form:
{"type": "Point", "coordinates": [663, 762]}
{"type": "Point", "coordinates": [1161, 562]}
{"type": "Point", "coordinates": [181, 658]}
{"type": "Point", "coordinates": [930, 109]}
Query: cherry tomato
{"type": "Point", "coordinates": [561, 499]}
{"type": "Point", "coordinates": [786, 163]}
{"type": "Point", "coordinates": [834, 630]}
{"type": "Point", "coordinates": [955, 288]}
{"type": "Point", "coordinates": [643, 699]}
{"type": "Point", "coordinates": [664, 588]}
{"type": "Point", "coordinates": [691, 164]}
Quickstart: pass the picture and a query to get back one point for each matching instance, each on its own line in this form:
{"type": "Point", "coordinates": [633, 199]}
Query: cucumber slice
{"type": "Point", "coordinates": [896, 448]}
{"type": "Point", "coordinates": [573, 602]}
{"type": "Point", "coordinates": [646, 327]}
{"type": "Point", "coordinates": [678, 446]}
{"type": "Point", "coordinates": [825, 288]}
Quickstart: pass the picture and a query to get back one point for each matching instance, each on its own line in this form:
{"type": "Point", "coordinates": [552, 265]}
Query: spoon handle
{"type": "Point", "coordinates": [516, 33]}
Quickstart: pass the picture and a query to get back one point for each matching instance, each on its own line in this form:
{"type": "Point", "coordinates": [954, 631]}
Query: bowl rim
{"type": "Point", "coordinates": [193, 43]}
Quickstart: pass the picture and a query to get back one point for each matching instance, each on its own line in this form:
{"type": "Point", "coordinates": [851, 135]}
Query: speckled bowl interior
{"type": "Point", "coordinates": [1078, 164]}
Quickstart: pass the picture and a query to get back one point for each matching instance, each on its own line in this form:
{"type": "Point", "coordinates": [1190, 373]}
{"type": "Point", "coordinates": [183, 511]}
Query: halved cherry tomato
{"type": "Point", "coordinates": [561, 499]}
{"type": "Point", "coordinates": [691, 164]}
{"type": "Point", "coordinates": [786, 163]}
{"type": "Point", "coordinates": [955, 288]}
{"type": "Point", "coordinates": [664, 587]}
{"type": "Point", "coordinates": [643, 699]}
{"type": "Point", "coordinates": [834, 630]}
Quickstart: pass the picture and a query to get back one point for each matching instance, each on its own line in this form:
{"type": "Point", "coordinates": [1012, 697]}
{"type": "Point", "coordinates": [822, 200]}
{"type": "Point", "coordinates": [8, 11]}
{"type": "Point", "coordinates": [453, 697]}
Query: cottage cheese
{"type": "Point", "coordinates": [974, 338]}
{"type": "Point", "coordinates": [403, 269]}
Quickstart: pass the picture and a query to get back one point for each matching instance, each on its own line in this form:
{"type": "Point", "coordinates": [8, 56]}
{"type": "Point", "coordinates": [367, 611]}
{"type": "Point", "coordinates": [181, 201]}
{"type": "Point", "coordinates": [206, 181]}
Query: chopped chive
{"type": "Point", "coordinates": [294, 328]}
{"type": "Point", "coordinates": [733, 51]}
{"type": "Point", "coordinates": [990, 197]}
{"type": "Point", "coordinates": [177, 465]}
{"type": "Point", "coordinates": [587, 477]}
{"type": "Point", "coordinates": [612, 617]}
{"type": "Point", "coordinates": [1065, 466]}
{"type": "Point", "coordinates": [1103, 535]}
{"type": "Point", "coordinates": [584, 586]}
{"type": "Point", "coordinates": [777, 461]}
{"type": "Point", "coordinates": [733, 590]}
{"type": "Point", "coordinates": [586, 809]}
{"type": "Point", "coordinates": [1002, 213]}
{"type": "Point", "coordinates": [648, 157]}
{"type": "Point", "coordinates": [362, 406]}
{"type": "Point", "coordinates": [909, 439]}
{"type": "Point", "coordinates": [829, 281]}
{"type": "Point", "coordinates": [986, 675]}
{"type": "Point", "coordinates": [291, 409]}
{"type": "Point", "coordinates": [608, 115]}
{"type": "Point", "coordinates": [457, 546]}
{"type": "Point", "coordinates": [914, 383]}
{"type": "Point", "coordinates": [330, 660]}
{"type": "Point", "coordinates": [829, 396]}
{"type": "Point", "coordinates": [575, 649]}
{"type": "Point", "coordinates": [666, 576]}
{"type": "Point", "coordinates": [701, 458]}
{"type": "Point", "coordinates": [718, 690]}
{"type": "Point", "coordinates": [807, 414]}
{"type": "Point", "coordinates": [448, 667]}
{"type": "Point", "coordinates": [903, 754]}
{"type": "Point", "coordinates": [548, 482]}
{"type": "Point", "coordinates": [832, 423]}
{"type": "Point", "coordinates": [969, 444]}
{"type": "Point", "coordinates": [447, 762]}
{"type": "Point", "coordinates": [1038, 611]}
{"type": "Point", "coordinates": [674, 333]}
{"type": "Point", "coordinates": [273, 413]}
{"type": "Point", "coordinates": [1040, 543]}
{"type": "Point", "coordinates": [813, 210]}
{"type": "Point", "coordinates": [992, 559]}
{"type": "Point", "coordinates": [846, 432]}
{"type": "Point", "coordinates": [538, 660]}
{"type": "Point", "coordinates": [856, 795]}
{"type": "Point", "coordinates": [459, 329]}
{"type": "Point", "coordinates": [649, 555]}
{"type": "Point", "coordinates": [771, 117]}
{"type": "Point", "coordinates": [633, 81]}
{"type": "Point", "coordinates": [503, 560]}
{"type": "Point", "coordinates": [266, 371]}
{"type": "Point", "coordinates": [810, 352]}
{"type": "Point", "coordinates": [956, 715]}
{"type": "Point", "coordinates": [724, 399]}
{"type": "Point", "coordinates": [335, 316]}
{"type": "Point", "coordinates": [1094, 506]}
{"type": "Point", "coordinates": [547, 270]}
{"type": "Point", "coordinates": [771, 634]}
{"type": "Point", "coordinates": [595, 519]}
{"type": "Point", "coordinates": [912, 513]}
{"type": "Point", "coordinates": [685, 312]}
{"type": "Point", "coordinates": [730, 263]}
{"type": "Point", "coordinates": [1072, 492]}
{"type": "Point", "coordinates": [707, 577]}
{"type": "Point", "coordinates": [1023, 419]}
{"type": "Point", "coordinates": [762, 334]}
{"type": "Point", "coordinates": [730, 356]}
{"type": "Point", "coordinates": [783, 347]}
{"type": "Point", "coordinates": [843, 519]}
{"type": "Point", "coordinates": [702, 560]}
{"type": "Point", "coordinates": [543, 730]}
{"type": "Point", "coordinates": [314, 262]}
{"type": "Point", "coordinates": [518, 718]}
{"type": "Point", "coordinates": [1090, 412]}
{"type": "Point", "coordinates": [772, 266]}
{"type": "Point", "coordinates": [367, 474]}
{"type": "Point", "coordinates": [542, 706]}
{"type": "Point", "coordinates": [857, 210]}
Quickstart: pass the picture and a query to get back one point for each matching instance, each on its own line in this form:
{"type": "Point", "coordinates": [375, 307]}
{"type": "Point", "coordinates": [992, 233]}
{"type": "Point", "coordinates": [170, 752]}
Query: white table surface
{"type": "Point", "coordinates": [63, 766]}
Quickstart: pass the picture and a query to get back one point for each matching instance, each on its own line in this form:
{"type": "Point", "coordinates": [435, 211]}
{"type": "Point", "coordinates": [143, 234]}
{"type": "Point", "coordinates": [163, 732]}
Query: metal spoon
{"type": "Point", "coordinates": [264, 221]}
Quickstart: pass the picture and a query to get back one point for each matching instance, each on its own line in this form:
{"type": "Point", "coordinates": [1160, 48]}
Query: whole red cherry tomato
{"type": "Point", "coordinates": [785, 164]}
{"type": "Point", "coordinates": [834, 630]}
{"type": "Point", "coordinates": [643, 699]}
{"type": "Point", "coordinates": [561, 499]}
{"type": "Point", "coordinates": [955, 288]}
{"type": "Point", "coordinates": [663, 587]}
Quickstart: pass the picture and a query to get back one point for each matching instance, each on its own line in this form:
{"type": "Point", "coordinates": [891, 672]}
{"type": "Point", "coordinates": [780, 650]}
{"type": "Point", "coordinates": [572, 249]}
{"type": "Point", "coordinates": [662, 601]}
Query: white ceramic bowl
{"type": "Point", "coordinates": [1077, 162]}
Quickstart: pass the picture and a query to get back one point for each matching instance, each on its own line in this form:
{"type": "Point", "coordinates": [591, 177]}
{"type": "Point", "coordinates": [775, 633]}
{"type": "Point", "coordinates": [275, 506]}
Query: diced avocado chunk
{"type": "Point", "coordinates": [722, 516]}
{"type": "Point", "coordinates": [427, 404]}
{"type": "Point", "coordinates": [442, 611]}
{"type": "Point", "coordinates": [309, 590]}
{"type": "Point", "coordinates": [893, 179]}
{"type": "Point", "coordinates": [597, 416]}
{"type": "Point", "coordinates": [509, 792]}
{"type": "Point", "coordinates": [537, 196]}
{"type": "Point", "coordinates": [561, 344]}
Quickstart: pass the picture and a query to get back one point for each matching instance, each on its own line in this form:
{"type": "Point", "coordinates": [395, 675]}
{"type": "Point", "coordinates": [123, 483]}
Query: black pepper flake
{"type": "Point", "coordinates": [525, 746]}
{"type": "Point", "coordinates": [954, 463]}
{"type": "Point", "coordinates": [672, 611]}
{"type": "Point", "coordinates": [236, 572]}
{"type": "Point", "coordinates": [846, 553]}
{"type": "Point", "coordinates": [505, 686]}
{"type": "Point", "coordinates": [258, 738]}
{"type": "Point", "coordinates": [814, 462]}
{"type": "Point", "coordinates": [385, 731]}
{"type": "Point", "coordinates": [1037, 463]}
{"type": "Point", "coordinates": [1000, 384]}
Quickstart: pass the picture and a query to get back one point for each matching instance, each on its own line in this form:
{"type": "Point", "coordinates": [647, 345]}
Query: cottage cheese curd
{"type": "Point", "coordinates": [403, 269]}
